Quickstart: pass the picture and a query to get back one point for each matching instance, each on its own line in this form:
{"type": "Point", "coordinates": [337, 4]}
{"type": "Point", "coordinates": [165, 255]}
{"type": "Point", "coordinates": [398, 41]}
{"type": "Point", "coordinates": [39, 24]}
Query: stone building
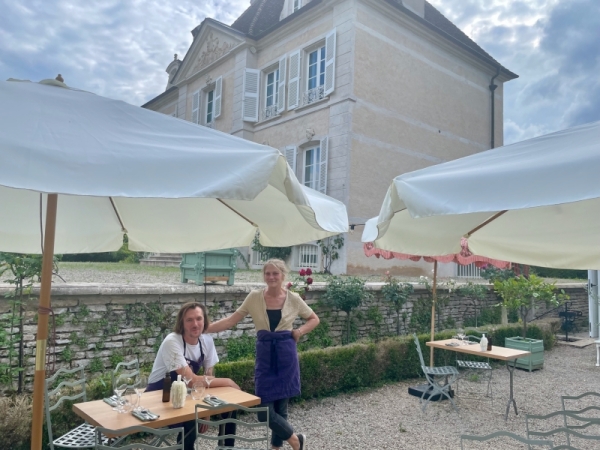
{"type": "Point", "coordinates": [353, 92]}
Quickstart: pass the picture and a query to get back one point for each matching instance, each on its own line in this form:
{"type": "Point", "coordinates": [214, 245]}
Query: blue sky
{"type": "Point", "coordinates": [120, 49]}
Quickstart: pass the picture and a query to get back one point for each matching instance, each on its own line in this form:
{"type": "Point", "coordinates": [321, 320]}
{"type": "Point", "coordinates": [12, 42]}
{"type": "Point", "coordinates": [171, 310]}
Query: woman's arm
{"type": "Point", "coordinates": [310, 325]}
{"type": "Point", "coordinates": [225, 324]}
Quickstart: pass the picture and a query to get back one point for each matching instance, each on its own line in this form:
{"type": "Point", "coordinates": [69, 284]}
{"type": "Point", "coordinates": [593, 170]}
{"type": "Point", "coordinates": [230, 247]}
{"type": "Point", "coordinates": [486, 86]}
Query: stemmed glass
{"type": "Point", "coordinates": [140, 387]}
{"type": "Point", "coordinates": [460, 333]}
{"type": "Point", "coordinates": [119, 390]}
{"type": "Point", "coordinates": [186, 380]}
{"type": "Point", "coordinates": [208, 379]}
{"type": "Point", "coordinates": [127, 402]}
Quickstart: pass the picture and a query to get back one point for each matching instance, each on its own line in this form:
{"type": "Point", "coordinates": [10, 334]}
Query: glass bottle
{"type": "Point", "coordinates": [483, 343]}
{"type": "Point", "coordinates": [166, 397]}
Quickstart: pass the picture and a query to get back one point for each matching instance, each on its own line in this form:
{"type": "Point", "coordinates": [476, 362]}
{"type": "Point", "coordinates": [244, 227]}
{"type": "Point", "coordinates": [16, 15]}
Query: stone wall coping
{"type": "Point", "coordinates": [181, 288]}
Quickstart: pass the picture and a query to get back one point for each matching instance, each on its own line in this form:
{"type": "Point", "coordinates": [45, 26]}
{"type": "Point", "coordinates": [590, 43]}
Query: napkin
{"type": "Point", "coordinates": [211, 400]}
{"type": "Point", "coordinates": [111, 401]}
{"type": "Point", "coordinates": [145, 416]}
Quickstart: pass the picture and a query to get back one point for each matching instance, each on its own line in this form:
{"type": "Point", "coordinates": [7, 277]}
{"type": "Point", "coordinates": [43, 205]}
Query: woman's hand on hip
{"type": "Point", "coordinates": [296, 334]}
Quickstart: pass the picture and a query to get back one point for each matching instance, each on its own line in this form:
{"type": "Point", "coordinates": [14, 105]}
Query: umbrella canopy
{"type": "Point", "coordinates": [535, 202]}
{"type": "Point", "coordinates": [86, 169]}
{"type": "Point", "coordinates": [171, 185]}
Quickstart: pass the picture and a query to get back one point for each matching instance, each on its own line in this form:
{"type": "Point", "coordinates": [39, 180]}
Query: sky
{"type": "Point", "coordinates": [121, 48]}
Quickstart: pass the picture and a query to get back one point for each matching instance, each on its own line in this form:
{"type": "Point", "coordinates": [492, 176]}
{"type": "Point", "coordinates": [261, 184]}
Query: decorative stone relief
{"type": "Point", "coordinates": [310, 132]}
{"type": "Point", "coordinates": [212, 52]}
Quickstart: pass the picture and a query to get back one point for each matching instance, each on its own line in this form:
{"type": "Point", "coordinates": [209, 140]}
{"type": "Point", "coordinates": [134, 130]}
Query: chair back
{"type": "Point", "coordinates": [511, 436]}
{"type": "Point", "coordinates": [555, 426]}
{"type": "Point", "coordinates": [71, 386]}
{"type": "Point", "coordinates": [252, 426]}
{"type": "Point", "coordinates": [126, 373]}
{"type": "Point", "coordinates": [418, 345]}
{"type": "Point", "coordinates": [154, 439]}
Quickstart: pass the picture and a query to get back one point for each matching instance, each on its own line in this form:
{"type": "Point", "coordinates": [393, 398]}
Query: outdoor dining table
{"type": "Point", "coordinates": [99, 413]}
{"type": "Point", "coordinates": [500, 353]}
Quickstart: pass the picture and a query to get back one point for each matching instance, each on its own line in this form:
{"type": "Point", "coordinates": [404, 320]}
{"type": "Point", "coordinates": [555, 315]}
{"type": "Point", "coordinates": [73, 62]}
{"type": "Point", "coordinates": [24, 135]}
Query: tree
{"type": "Point", "coordinates": [329, 250]}
{"type": "Point", "coordinates": [397, 294]}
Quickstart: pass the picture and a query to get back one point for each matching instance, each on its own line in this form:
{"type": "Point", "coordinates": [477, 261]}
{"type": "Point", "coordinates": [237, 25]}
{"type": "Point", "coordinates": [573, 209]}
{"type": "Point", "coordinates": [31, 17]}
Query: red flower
{"type": "Point", "coordinates": [308, 272]}
{"type": "Point", "coordinates": [302, 272]}
{"type": "Point", "coordinates": [306, 289]}
{"type": "Point", "coordinates": [309, 280]}
{"type": "Point", "coordinates": [289, 285]}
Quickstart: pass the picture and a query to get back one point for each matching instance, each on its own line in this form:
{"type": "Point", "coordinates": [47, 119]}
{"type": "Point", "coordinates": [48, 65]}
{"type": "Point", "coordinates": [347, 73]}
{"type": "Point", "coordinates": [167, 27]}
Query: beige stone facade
{"type": "Point", "coordinates": [371, 88]}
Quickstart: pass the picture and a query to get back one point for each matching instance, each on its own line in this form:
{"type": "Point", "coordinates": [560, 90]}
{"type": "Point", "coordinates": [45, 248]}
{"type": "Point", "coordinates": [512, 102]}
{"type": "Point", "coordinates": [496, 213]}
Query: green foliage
{"type": "Point", "coordinates": [96, 365]}
{"type": "Point", "coordinates": [122, 255]}
{"type": "Point", "coordinates": [329, 250]}
{"type": "Point", "coordinates": [301, 284]}
{"type": "Point", "coordinates": [420, 319]}
{"type": "Point", "coordinates": [492, 273]}
{"type": "Point", "coordinates": [345, 294]}
{"type": "Point", "coordinates": [522, 294]}
{"type": "Point", "coordinates": [546, 272]}
{"type": "Point", "coordinates": [270, 252]}
{"type": "Point", "coordinates": [317, 338]}
{"type": "Point", "coordinates": [397, 294]}
{"type": "Point", "coordinates": [475, 293]}
{"type": "Point", "coordinates": [374, 315]}
{"type": "Point", "coordinates": [242, 347]}
{"type": "Point", "coordinates": [15, 422]}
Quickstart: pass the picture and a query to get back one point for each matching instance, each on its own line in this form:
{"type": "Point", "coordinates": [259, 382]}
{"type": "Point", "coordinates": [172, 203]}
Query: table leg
{"type": "Point", "coordinates": [511, 398]}
{"type": "Point", "coordinates": [597, 354]}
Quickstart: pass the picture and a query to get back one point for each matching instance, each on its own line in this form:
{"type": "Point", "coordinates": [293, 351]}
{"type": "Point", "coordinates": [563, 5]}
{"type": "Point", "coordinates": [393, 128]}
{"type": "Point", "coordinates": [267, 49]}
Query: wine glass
{"type": "Point", "coordinates": [208, 379]}
{"type": "Point", "coordinates": [119, 390]}
{"type": "Point", "coordinates": [127, 402]}
{"type": "Point", "coordinates": [186, 379]}
{"type": "Point", "coordinates": [140, 387]}
{"type": "Point", "coordinates": [460, 333]}
{"type": "Point", "coordinates": [198, 391]}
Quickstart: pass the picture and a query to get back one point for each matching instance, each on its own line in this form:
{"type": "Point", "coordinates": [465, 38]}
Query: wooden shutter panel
{"type": "Point", "coordinates": [330, 62]}
{"type": "Point", "coordinates": [323, 166]}
{"type": "Point", "coordinates": [281, 86]}
{"type": "Point", "coordinates": [217, 98]}
{"type": "Point", "coordinates": [196, 107]}
{"type": "Point", "coordinates": [250, 101]}
{"type": "Point", "coordinates": [294, 83]}
{"type": "Point", "coordinates": [290, 155]}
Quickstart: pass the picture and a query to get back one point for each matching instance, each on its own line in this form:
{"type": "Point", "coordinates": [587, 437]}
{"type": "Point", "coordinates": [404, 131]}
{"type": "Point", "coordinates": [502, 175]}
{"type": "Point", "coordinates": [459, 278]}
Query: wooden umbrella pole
{"type": "Point", "coordinates": [434, 297]}
{"type": "Point", "coordinates": [42, 330]}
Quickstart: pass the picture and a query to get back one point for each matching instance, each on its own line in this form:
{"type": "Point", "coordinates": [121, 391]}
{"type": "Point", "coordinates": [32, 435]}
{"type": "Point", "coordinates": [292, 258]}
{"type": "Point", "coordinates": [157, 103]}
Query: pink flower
{"type": "Point", "coordinates": [308, 272]}
{"type": "Point", "coordinates": [387, 272]}
{"type": "Point", "coordinates": [302, 272]}
{"type": "Point", "coordinates": [289, 285]}
{"type": "Point", "coordinates": [309, 280]}
{"type": "Point", "coordinates": [306, 289]}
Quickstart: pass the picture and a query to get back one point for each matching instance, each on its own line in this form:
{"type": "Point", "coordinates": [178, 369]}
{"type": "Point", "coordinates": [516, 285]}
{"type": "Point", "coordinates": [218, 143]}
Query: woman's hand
{"type": "Point", "coordinates": [296, 334]}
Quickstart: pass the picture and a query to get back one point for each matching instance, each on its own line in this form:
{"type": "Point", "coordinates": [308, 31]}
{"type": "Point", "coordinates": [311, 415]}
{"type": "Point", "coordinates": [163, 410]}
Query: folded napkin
{"type": "Point", "coordinates": [111, 401]}
{"type": "Point", "coordinates": [211, 400]}
{"type": "Point", "coordinates": [145, 416]}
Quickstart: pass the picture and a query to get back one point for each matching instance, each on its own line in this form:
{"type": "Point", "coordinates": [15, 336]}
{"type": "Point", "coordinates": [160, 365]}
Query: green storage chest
{"type": "Point", "coordinates": [535, 346]}
{"type": "Point", "coordinates": [209, 267]}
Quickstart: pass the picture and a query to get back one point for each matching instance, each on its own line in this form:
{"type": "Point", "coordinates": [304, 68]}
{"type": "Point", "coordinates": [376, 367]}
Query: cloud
{"type": "Point", "coordinates": [552, 45]}
{"type": "Point", "coordinates": [115, 48]}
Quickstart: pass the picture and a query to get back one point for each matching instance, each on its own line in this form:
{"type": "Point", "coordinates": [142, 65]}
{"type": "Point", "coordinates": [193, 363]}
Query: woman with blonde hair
{"type": "Point", "coordinates": [277, 371]}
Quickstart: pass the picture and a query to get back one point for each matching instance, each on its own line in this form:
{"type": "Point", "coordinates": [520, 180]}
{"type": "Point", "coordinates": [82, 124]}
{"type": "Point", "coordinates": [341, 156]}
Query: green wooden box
{"type": "Point", "coordinates": [535, 346]}
{"type": "Point", "coordinates": [209, 267]}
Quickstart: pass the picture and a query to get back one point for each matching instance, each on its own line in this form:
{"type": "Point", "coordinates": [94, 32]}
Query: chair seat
{"type": "Point", "coordinates": [81, 437]}
{"type": "Point", "coordinates": [440, 371]}
{"type": "Point", "coordinates": [473, 365]}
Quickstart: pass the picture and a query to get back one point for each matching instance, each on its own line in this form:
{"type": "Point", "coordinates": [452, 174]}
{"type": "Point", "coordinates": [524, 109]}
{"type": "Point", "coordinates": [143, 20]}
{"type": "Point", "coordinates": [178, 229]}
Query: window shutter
{"type": "Point", "coordinates": [330, 62]}
{"type": "Point", "coordinates": [281, 86]}
{"type": "Point", "coordinates": [294, 83]}
{"type": "Point", "coordinates": [196, 107]}
{"type": "Point", "coordinates": [217, 99]}
{"type": "Point", "coordinates": [290, 155]}
{"type": "Point", "coordinates": [250, 101]}
{"type": "Point", "coordinates": [323, 166]}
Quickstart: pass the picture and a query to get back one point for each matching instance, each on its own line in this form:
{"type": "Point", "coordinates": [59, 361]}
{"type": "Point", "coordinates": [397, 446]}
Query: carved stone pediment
{"type": "Point", "coordinates": [213, 47]}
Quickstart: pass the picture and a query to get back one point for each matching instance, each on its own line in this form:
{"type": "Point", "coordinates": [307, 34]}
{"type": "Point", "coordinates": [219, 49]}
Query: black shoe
{"type": "Point", "coordinates": [302, 440]}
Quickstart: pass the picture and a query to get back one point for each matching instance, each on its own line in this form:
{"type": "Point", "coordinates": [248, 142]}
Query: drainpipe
{"type": "Point", "coordinates": [492, 89]}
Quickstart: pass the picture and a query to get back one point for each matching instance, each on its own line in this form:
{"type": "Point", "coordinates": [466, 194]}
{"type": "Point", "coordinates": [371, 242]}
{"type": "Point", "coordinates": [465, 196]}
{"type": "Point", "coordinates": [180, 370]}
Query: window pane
{"type": "Point", "coordinates": [209, 106]}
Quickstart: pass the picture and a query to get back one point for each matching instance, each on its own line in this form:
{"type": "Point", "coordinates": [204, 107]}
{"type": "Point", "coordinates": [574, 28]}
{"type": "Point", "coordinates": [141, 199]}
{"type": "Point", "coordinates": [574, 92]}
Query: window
{"type": "Point", "coordinates": [297, 5]}
{"type": "Point", "coordinates": [311, 176]}
{"type": "Point", "coordinates": [271, 97]}
{"type": "Point", "coordinates": [316, 68]}
{"type": "Point", "coordinates": [468, 271]}
{"type": "Point", "coordinates": [208, 118]}
{"type": "Point", "coordinates": [308, 256]}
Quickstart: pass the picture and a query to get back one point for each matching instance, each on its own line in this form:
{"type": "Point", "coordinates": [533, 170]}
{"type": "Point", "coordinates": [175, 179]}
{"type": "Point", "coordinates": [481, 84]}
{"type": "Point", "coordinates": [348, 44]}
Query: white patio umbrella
{"type": "Point", "coordinates": [535, 202]}
{"type": "Point", "coordinates": [88, 169]}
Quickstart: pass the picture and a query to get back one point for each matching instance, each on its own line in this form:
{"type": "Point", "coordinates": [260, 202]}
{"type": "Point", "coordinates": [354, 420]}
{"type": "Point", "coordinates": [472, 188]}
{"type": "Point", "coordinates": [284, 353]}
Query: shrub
{"type": "Point", "coordinates": [243, 347]}
{"type": "Point", "coordinates": [15, 422]}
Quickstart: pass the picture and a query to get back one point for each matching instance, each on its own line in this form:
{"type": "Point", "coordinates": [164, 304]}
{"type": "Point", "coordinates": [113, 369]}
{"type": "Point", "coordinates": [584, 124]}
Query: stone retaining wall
{"type": "Point", "coordinates": [95, 322]}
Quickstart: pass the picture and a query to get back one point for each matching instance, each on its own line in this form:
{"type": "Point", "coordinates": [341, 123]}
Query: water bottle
{"type": "Point", "coordinates": [483, 343]}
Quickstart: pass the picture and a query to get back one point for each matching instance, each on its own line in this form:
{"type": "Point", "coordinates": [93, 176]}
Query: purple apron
{"type": "Point", "coordinates": [277, 371]}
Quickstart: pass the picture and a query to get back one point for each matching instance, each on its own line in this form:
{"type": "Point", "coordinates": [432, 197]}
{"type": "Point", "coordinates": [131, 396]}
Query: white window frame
{"type": "Point", "coordinates": [314, 183]}
{"type": "Point", "coordinates": [296, 5]}
{"type": "Point", "coordinates": [272, 110]}
{"type": "Point", "coordinates": [326, 57]}
{"type": "Point", "coordinates": [306, 253]}
{"type": "Point", "coordinates": [319, 181]}
{"type": "Point", "coordinates": [208, 102]}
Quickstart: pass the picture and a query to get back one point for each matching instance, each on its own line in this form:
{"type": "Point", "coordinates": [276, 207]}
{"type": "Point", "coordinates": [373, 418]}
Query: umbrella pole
{"type": "Point", "coordinates": [434, 297]}
{"type": "Point", "coordinates": [42, 331]}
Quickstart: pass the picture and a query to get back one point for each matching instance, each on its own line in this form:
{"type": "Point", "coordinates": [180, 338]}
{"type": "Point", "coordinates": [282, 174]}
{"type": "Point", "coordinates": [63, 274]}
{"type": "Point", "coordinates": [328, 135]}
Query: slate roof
{"type": "Point", "coordinates": [262, 17]}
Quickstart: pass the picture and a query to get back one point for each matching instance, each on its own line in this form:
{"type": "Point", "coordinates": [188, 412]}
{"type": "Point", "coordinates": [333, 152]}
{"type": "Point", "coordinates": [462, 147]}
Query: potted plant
{"type": "Point", "coordinates": [522, 294]}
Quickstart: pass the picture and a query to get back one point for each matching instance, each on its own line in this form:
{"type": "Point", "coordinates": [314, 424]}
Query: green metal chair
{"type": "Point", "coordinates": [470, 366]}
{"type": "Point", "coordinates": [434, 376]}
{"type": "Point", "coordinates": [125, 371]}
{"type": "Point", "coordinates": [74, 390]}
{"type": "Point", "coordinates": [561, 435]}
{"type": "Point", "coordinates": [253, 433]}
{"type": "Point", "coordinates": [511, 436]}
{"type": "Point", "coordinates": [164, 439]}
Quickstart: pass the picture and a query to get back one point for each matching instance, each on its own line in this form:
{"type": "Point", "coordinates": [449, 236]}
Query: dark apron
{"type": "Point", "coordinates": [277, 370]}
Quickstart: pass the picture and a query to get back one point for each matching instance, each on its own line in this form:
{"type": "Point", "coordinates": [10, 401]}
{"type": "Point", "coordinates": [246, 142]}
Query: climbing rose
{"type": "Point", "coordinates": [308, 272]}
{"type": "Point", "coordinates": [289, 285]}
{"type": "Point", "coordinates": [302, 272]}
{"type": "Point", "coordinates": [309, 280]}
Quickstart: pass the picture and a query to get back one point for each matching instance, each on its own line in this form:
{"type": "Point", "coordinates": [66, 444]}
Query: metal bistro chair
{"type": "Point", "coordinates": [512, 436]}
{"type": "Point", "coordinates": [157, 437]}
{"type": "Point", "coordinates": [125, 371]}
{"type": "Point", "coordinates": [253, 433]}
{"type": "Point", "coordinates": [448, 373]}
{"type": "Point", "coordinates": [563, 434]}
{"type": "Point", "coordinates": [475, 366]}
{"type": "Point", "coordinates": [83, 435]}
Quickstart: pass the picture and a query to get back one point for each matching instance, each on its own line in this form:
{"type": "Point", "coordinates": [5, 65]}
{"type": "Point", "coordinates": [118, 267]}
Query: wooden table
{"type": "Point", "coordinates": [99, 413]}
{"type": "Point", "coordinates": [501, 353]}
